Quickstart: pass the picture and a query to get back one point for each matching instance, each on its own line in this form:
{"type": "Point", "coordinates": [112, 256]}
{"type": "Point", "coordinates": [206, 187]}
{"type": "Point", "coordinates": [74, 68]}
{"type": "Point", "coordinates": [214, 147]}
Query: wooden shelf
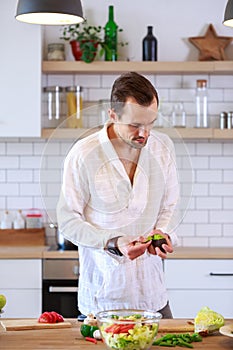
{"type": "Point", "coordinates": [102, 67]}
{"type": "Point", "coordinates": [174, 133]}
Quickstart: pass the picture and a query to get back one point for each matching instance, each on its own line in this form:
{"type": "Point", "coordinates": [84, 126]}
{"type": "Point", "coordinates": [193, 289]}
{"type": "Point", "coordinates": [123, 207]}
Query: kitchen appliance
{"type": "Point", "coordinates": [62, 243]}
{"type": "Point", "coordinates": [60, 286]}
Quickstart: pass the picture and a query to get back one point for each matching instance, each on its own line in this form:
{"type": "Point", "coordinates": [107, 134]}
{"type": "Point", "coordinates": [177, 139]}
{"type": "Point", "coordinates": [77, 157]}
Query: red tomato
{"type": "Point", "coordinates": [53, 315]}
{"type": "Point", "coordinates": [45, 318]}
{"type": "Point", "coordinates": [50, 317]}
{"type": "Point", "coordinates": [57, 317]}
{"type": "Point", "coordinates": [60, 318]}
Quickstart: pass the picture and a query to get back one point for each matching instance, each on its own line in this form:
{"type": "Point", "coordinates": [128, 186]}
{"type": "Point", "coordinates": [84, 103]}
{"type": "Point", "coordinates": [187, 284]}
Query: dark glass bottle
{"type": "Point", "coordinates": [111, 36]}
{"type": "Point", "coordinates": [149, 46]}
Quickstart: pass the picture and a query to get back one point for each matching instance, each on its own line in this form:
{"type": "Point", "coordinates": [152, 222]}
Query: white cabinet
{"type": "Point", "coordinates": [194, 283]}
{"type": "Point", "coordinates": [20, 71]}
{"type": "Point", "coordinates": [21, 283]}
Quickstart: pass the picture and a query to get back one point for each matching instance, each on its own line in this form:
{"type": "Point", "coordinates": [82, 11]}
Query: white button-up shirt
{"type": "Point", "coordinates": [98, 202]}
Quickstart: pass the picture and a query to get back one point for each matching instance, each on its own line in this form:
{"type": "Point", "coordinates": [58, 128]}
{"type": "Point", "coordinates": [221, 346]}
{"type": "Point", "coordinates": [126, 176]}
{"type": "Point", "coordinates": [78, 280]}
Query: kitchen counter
{"type": "Point", "coordinates": [42, 252]}
{"type": "Point", "coordinates": [35, 252]}
{"type": "Point", "coordinates": [71, 339]}
{"type": "Point", "coordinates": [201, 253]}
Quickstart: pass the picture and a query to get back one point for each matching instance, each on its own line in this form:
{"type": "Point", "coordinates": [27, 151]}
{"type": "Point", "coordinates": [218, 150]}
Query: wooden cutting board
{"type": "Point", "coordinates": [27, 324]}
{"type": "Point", "coordinates": [182, 326]}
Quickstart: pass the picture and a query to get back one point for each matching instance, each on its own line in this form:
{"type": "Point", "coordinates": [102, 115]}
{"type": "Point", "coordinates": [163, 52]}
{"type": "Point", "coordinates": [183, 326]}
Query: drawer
{"type": "Point", "coordinates": [21, 273]}
{"type": "Point", "coordinates": [199, 274]}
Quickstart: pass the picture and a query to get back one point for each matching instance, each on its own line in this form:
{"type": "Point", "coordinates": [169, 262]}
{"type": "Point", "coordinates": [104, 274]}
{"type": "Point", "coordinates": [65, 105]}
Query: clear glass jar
{"type": "Point", "coordinates": [53, 101]}
{"type": "Point", "coordinates": [178, 115]}
{"type": "Point", "coordinates": [229, 120]}
{"type": "Point", "coordinates": [201, 104]}
{"type": "Point", "coordinates": [74, 104]}
{"type": "Point", "coordinates": [56, 52]}
{"type": "Point", "coordinates": [104, 106]}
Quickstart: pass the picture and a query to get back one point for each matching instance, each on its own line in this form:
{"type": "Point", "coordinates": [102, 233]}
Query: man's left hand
{"type": "Point", "coordinates": [167, 247]}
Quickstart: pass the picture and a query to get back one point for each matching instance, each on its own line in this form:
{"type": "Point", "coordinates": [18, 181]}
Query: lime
{"type": "Point", "coordinates": [2, 301]}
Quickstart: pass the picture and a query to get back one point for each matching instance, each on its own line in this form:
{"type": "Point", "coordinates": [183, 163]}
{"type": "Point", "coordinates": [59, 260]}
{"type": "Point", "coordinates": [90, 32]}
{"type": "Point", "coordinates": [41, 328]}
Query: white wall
{"type": "Point", "coordinates": [174, 21]}
{"type": "Point", "coordinates": [209, 220]}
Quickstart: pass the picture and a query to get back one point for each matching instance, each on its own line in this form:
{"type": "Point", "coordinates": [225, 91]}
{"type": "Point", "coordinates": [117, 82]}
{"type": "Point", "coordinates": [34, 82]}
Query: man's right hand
{"type": "Point", "coordinates": [132, 248]}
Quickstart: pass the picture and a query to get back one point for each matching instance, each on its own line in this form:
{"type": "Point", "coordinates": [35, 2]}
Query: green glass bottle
{"type": "Point", "coordinates": [111, 36]}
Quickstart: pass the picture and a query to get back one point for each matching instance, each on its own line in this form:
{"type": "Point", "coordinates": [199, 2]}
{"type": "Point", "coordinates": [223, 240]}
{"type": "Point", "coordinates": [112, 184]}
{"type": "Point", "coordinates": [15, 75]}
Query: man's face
{"type": "Point", "coordinates": [134, 125]}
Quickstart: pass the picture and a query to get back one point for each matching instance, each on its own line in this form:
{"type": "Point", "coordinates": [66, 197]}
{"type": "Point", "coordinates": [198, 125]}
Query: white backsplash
{"type": "Point", "coordinates": [208, 221]}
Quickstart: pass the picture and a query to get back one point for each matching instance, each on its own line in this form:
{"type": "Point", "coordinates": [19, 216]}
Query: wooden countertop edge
{"type": "Point", "coordinates": [201, 253]}
{"type": "Point", "coordinates": [43, 252]}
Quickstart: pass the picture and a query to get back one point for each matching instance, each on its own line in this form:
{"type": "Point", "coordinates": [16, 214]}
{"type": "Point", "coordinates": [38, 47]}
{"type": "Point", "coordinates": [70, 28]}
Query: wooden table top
{"type": "Point", "coordinates": [71, 339]}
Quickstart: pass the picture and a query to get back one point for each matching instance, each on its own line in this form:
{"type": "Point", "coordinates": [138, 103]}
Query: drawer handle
{"type": "Point", "coordinates": [53, 289]}
{"type": "Point", "coordinates": [220, 274]}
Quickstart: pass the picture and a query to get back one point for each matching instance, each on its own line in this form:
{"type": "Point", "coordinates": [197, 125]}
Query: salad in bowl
{"type": "Point", "coordinates": [128, 329]}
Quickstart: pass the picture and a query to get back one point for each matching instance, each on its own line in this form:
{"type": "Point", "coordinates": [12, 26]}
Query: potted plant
{"type": "Point", "coordinates": [84, 40]}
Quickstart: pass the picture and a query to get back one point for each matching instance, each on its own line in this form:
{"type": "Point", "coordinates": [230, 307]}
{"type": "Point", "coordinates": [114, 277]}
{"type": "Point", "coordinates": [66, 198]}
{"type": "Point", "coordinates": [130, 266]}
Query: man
{"type": "Point", "coordinates": [120, 186]}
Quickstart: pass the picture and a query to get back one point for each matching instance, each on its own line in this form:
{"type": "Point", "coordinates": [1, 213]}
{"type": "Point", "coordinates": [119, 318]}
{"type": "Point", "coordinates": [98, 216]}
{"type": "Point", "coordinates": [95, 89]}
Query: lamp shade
{"type": "Point", "coordinates": [54, 12]}
{"type": "Point", "coordinates": [228, 16]}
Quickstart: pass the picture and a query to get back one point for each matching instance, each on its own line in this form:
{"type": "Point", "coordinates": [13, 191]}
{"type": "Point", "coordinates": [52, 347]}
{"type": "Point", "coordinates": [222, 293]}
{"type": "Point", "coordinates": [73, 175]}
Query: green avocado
{"type": "Point", "coordinates": [157, 241]}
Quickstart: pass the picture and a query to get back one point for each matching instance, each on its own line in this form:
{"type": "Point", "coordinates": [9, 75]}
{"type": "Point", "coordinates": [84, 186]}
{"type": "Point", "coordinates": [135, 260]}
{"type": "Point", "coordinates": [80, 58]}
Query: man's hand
{"type": "Point", "coordinates": [132, 248]}
{"type": "Point", "coordinates": [167, 247]}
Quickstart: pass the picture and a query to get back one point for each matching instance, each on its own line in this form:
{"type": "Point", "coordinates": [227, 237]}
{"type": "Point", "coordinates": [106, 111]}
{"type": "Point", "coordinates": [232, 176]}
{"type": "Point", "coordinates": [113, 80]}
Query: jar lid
{"type": "Point", "coordinates": [201, 83]}
{"type": "Point", "coordinates": [223, 114]}
{"type": "Point", "coordinates": [53, 89]}
{"type": "Point", "coordinates": [56, 45]}
{"type": "Point", "coordinates": [75, 88]}
{"type": "Point", "coordinates": [34, 215]}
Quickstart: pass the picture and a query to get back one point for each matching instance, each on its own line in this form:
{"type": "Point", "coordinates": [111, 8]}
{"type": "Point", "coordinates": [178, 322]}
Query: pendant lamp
{"type": "Point", "coordinates": [51, 12]}
{"type": "Point", "coordinates": [228, 16]}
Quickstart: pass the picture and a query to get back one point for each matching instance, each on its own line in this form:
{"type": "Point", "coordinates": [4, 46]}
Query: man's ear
{"type": "Point", "coordinates": [112, 115]}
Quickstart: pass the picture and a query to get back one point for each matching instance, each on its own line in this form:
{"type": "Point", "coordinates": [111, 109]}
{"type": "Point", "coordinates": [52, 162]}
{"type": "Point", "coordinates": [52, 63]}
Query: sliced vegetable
{"type": "Point", "coordinates": [59, 318]}
{"type": "Point", "coordinates": [50, 317]}
{"type": "Point", "coordinates": [45, 318]}
{"type": "Point", "coordinates": [129, 336]}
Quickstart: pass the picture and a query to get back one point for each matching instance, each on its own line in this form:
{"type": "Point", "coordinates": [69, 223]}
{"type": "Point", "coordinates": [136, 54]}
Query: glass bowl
{"type": "Point", "coordinates": [128, 329]}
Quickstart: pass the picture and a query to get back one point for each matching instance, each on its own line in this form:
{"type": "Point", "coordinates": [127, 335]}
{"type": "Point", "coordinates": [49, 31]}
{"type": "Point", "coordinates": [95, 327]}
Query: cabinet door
{"type": "Point", "coordinates": [21, 283]}
{"type": "Point", "coordinates": [22, 303]}
{"type": "Point", "coordinates": [192, 284]}
{"type": "Point", "coordinates": [20, 70]}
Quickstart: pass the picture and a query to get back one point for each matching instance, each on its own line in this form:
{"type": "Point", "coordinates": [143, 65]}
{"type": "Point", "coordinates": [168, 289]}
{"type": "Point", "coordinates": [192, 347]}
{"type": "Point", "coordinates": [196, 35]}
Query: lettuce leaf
{"type": "Point", "coordinates": [207, 321]}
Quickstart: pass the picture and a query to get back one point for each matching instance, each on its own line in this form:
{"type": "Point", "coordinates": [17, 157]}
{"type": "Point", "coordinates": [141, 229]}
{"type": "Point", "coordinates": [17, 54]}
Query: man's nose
{"type": "Point", "coordinates": [144, 130]}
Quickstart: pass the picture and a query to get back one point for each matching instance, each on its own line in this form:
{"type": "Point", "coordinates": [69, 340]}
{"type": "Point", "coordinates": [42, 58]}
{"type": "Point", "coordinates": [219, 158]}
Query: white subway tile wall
{"type": "Point", "coordinates": [31, 169]}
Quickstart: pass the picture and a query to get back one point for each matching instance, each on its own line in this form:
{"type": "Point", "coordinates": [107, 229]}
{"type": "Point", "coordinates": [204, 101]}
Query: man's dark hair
{"type": "Point", "coordinates": [134, 85]}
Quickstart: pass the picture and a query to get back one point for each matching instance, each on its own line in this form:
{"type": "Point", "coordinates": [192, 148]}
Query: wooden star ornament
{"type": "Point", "coordinates": [211, 46]}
